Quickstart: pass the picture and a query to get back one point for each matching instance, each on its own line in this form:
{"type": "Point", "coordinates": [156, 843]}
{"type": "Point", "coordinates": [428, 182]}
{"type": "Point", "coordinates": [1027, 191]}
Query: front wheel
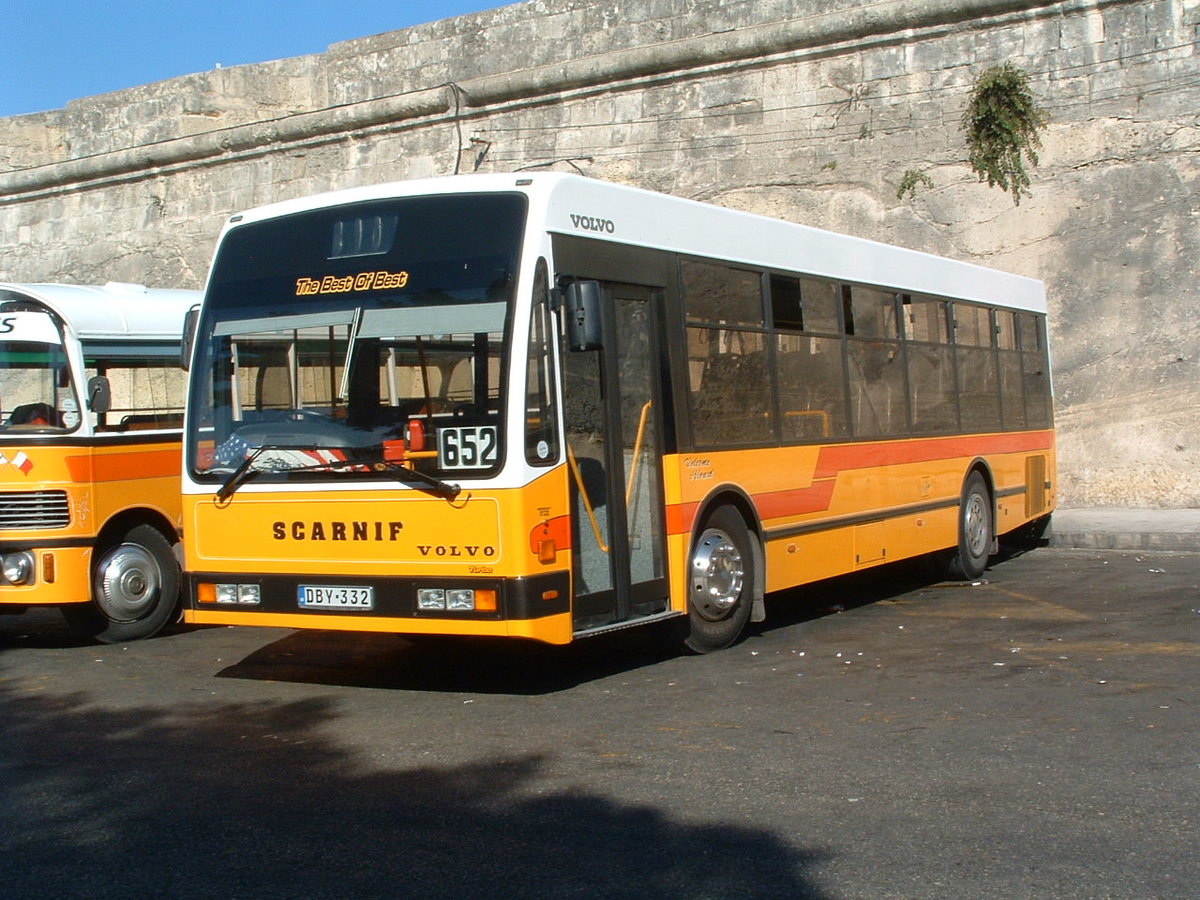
{"type": "Point", "coordinates": [976, 532]}
{"type": "Point", "coordinates": [135, 589]}
{"type": "Point", "coordinates": [720, 583]}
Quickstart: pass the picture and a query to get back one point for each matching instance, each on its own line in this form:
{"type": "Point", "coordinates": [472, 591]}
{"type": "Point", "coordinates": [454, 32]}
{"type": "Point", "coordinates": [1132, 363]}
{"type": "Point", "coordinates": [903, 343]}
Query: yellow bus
{"type": "Point", "coordinates": [91, 416]}
{"type": "Point", "coordinates": [546, 406]}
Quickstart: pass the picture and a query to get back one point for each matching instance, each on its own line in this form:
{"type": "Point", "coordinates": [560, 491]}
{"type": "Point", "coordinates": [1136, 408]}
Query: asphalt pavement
{"type": "Point", "coordinates": [882, 736]}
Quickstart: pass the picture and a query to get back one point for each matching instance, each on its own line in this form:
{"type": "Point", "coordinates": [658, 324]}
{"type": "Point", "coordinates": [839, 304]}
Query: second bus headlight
{"type": "Point", "coordinates": [18, 567]}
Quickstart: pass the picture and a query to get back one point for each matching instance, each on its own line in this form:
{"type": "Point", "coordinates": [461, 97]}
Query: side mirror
{"type": "Point", "coordinates": [189, 337]}
{"type": "Point", "coordinates": [582, 316]}
{"type": "Point", "coordinates": [99, 394]}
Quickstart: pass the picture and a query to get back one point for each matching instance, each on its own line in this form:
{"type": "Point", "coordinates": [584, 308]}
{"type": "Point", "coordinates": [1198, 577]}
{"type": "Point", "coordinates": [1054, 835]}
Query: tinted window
{"type": "Point", "coordinates": [713, 293]}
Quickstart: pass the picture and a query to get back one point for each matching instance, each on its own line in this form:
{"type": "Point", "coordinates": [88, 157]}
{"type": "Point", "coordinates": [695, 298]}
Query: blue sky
{"type": "Point", "coordinates": [61, 50]}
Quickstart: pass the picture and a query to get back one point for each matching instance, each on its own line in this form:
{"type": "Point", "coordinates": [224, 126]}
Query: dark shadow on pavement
{"type": "Point", "coordinates": [523, 667]}
{"type": "Point", "coordinates": [452, 664]}
{"type": "Point", "coordinates": [255, 800]}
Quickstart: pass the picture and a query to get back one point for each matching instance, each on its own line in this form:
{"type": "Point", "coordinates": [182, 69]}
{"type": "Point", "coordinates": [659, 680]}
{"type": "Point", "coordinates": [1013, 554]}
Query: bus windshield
{"type": "Point", "coordinates": [36, 389]}
{"type": "Point", "coordinates": [358, 339]}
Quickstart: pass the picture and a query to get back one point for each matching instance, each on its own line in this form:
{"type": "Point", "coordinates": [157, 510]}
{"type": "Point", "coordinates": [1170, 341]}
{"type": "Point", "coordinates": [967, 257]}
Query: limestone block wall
{"type": "Point", "coordinates": [812, 112]}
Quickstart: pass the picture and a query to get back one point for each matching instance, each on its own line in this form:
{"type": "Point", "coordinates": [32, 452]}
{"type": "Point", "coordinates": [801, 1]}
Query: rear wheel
{"type": "Point", "coordinates": [135, 589]}
{"type": "Point", "coordinates": [976, 531]}
{"type": "Point", "coordinates": [720, 583]}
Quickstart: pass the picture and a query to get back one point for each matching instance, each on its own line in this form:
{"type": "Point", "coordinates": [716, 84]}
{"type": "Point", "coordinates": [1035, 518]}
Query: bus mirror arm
{"type": "Point", "coordinates": [189, 337]}
{"type": "Point", "coordinates": [582, 316]}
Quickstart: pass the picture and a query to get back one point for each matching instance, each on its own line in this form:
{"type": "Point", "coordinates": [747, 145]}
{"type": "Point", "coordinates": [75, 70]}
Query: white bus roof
{"type": "Point", "coordinates": [113, 311]}
{"type": "Point", "coordinates": [587, 207]}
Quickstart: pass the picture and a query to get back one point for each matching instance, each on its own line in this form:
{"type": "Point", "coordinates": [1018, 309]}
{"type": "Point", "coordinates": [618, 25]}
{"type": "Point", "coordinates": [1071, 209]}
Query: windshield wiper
{"type": "Point", "coordinates": [400, 473]}
{"type": "Point", "coordinates": [417, 479]}
{"type": "Point", "coordinates": [241, 474]}
{"type": "Point", "coordinates": [244, 472]}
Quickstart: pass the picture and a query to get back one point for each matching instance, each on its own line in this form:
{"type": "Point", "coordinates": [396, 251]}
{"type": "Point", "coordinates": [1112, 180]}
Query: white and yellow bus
{"type": "Point", "coordinates": [91, 414]}
{"type": "Point", "coordinates": [546, 406]}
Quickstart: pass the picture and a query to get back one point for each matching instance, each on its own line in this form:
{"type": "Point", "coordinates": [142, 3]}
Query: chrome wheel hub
{"type": "Point", "coordinates": [717, 575]}
{"type": "Point", "coordinates": [975, 525]}
{"type": "Point", "coordinates": [128, 583]}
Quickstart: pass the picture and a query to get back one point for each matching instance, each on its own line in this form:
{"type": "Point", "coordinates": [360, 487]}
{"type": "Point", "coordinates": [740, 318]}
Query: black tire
{"type": "Point", "coordinates": [135, 589]}
{"type": "Point", "coordinates": [720, 581]}
{"type": "Point", "coordinates": [976, 531]}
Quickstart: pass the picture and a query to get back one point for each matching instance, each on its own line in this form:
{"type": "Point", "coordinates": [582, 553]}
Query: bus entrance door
{"type": "Point", "coordinates": [614, 436]}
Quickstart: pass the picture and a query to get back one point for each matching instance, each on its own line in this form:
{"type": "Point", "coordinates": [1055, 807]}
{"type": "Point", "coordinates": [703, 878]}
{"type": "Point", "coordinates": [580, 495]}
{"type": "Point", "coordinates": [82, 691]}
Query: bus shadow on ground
{"type": "Point", "coordinates": [451, 664]}
{"type": "Point", "coordinates": [524, 667]}
{"type": "Point", "coordinates": [39, 629]}
{"type": "Point", "coordinates": [257, 799]}
{"type": "Point", "coordinates": [888, 583]}
{"type": "Point", "coordinates": [45, 629]}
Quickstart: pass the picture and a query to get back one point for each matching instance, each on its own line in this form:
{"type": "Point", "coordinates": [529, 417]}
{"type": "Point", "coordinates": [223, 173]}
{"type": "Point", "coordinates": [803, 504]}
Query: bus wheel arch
{"type": "Point", "coordinates": [135, 581]}
{"type": "Point", "coordinates": [976, 531]}
{"type": "Point", "coordinates": [724, 577]}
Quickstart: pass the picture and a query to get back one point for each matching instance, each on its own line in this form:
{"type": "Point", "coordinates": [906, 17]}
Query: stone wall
{"type": "Point", "coordinates": [813, 117]}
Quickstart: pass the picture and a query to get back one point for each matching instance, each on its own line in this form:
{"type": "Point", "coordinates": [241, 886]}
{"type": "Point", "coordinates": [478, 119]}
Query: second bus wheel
{"type": "Point", "coordinates": [135, 589]}
{"type": "Point", "coordinates": [720, 583]}
{"type": "Point", "coordinates": [975, 530]}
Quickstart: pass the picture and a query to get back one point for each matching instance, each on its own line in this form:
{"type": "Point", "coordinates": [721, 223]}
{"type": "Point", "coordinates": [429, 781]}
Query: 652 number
{"type": "Point", "coordinates": [468, 447]}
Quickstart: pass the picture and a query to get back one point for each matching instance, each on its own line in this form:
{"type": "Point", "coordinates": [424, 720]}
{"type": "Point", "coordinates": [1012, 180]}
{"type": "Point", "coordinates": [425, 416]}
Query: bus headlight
{"type": "Point", "coordinates": [245, 594]}
{"type": "Point", "coordinates": [431, 598]}
{"type": "Point", "coordinates": [456, 600]}
{"type": "Point", "coordinates": [460, 599]}
{"type": "Point", "coordinates": [19, 567]}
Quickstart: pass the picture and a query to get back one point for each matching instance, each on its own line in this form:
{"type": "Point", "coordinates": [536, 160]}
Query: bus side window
{"type": "Point", "coordinates": [1012, 388]}
{"type": "Point", "coordinates": [1035, 369]}
{"type": "Point", "coordinates": [810, 373]}
{"type": "Point", "coordinates": [541, 408]}
{"type": "Point", "coordinates": [878, 399]}
{"type": "Point", "coordinates": [978, 379]}
{"type": "Point", "coordinates": [730, 390]}
{"type": "Point", "coordinates": [931, 382]}
{"type": "Point", "coordinates": [146, 392]}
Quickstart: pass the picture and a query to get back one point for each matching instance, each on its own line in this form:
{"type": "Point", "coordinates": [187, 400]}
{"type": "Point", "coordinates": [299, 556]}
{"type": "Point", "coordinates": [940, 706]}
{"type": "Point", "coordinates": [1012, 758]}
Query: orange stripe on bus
{"type": "Point", "coordinates": [136, 464]}
{"type": "Point", "coordinates": [836, 459]}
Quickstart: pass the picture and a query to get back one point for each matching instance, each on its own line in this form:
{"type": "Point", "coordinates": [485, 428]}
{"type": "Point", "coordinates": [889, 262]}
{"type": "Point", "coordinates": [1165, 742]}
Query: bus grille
{"type": "Point", "coordinates": [34, 509]}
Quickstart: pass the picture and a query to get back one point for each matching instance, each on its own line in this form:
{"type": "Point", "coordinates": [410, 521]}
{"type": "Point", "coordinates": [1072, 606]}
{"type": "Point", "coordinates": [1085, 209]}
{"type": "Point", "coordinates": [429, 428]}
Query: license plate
{"type": "Point", "coordinates": [332, 596]}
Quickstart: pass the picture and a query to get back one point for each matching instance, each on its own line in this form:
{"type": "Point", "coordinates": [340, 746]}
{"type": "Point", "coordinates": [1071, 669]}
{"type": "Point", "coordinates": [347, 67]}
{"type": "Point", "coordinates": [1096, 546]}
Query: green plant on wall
{"type": "Point", "coordinates": [910, 182]}
{"type": "Point", "coordinates": [1002, 121]}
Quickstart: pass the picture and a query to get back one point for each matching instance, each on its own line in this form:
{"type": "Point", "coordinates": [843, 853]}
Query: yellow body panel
{"type": "Point", "coordinates": [101, 481]}
{"type": "Point", "coordinates": [819, 511]}
{"type": "Point", "coordinates": [550, 629]}
{"type": "Point", "coordinates": [391, 530]}
{"type": "Point", "coordinates": [832, 509]}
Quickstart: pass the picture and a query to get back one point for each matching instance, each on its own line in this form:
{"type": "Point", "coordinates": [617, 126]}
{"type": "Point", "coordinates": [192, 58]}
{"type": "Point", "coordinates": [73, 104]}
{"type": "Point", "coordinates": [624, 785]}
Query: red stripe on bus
{"type": "Point", "coordinates": [775, 504]}
{"type": "Point", "coordinates": [843, 457]}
